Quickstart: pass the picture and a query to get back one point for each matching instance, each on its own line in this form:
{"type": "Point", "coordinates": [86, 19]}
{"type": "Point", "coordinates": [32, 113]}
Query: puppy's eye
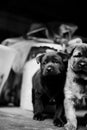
{"type": "Point", "coordinates": [77, 54]}
{"type": "Point", "coordinates": [55, 61]}
{"type": "Point", "coordinates": [44, 62]}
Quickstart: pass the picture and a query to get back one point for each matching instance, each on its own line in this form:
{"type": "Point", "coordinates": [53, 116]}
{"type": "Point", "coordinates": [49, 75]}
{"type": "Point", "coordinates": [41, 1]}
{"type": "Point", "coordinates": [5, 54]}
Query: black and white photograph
{"type": "Point", "coordinates": [43, 65]}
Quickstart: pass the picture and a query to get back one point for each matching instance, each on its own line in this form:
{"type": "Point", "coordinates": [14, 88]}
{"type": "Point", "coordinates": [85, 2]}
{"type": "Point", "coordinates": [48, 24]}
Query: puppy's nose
{"type": "Point", "coordinates": [49, 69]}
{"type": "Point", "coordinates": [82, 64]}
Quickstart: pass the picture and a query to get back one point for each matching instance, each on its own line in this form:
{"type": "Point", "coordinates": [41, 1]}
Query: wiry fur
{"type": "Point", "coordinates": [76, 83]}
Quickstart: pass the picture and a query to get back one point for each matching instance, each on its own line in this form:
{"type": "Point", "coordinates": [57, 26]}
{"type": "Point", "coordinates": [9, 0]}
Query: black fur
{"type": "Point", "coordinates": [48, 88]}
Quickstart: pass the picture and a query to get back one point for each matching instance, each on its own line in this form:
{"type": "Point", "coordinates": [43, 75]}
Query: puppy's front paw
{"type": "Point", "coordinates": [39, 117]}
{"type": "Point", "coordinates": [69, 126]}
{"type": "Point", "coordinates": [58, 122]}
{"type": "Point", "coordinates": [84, 120]}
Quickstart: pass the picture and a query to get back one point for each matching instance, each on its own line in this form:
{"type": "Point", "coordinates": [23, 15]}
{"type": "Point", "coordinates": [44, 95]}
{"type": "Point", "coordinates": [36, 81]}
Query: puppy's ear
{"type": "Point", "coordinates": [72, 44]}
{"type": "Point", "coordinates": [64, 55]}
{"type": "Point", "coordinates": [39, 58]}
{"type": "Point", "coordinates": [70, 50]}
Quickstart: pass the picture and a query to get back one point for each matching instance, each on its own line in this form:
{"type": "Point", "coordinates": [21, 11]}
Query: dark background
{"type": "Point", "coordinates": [16, 15]}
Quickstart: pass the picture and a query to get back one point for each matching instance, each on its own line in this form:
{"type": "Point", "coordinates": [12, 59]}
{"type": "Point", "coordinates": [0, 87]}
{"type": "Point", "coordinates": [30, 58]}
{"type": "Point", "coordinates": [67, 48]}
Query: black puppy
{"type": "Point", "coordinates": [48, 84]}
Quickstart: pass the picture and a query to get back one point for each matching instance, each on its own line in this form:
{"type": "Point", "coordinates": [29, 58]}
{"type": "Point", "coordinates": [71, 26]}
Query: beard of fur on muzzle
{"type": "Point", "coordinates": [78, 69]}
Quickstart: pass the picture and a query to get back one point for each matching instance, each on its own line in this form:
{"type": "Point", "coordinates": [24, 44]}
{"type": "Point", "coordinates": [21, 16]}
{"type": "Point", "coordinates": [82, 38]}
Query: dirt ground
{"type": "Point", "coordinates": [18, 119]}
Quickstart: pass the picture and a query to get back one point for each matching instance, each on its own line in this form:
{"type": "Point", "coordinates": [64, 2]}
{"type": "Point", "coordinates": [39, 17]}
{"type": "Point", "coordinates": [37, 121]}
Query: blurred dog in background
{"type": "Point", "coordinates": [10, 95]}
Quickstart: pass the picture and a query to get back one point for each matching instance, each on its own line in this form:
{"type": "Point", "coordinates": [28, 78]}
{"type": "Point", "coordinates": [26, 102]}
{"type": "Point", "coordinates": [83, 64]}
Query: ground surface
{"type": "Point", "coordinates": [17, 119]}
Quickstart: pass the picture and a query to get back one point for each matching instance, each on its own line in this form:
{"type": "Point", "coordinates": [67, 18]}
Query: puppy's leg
{"type": "Point", "coordinates": [84, 120]}
{"type": "Point", "coordinates": [38, 107]}
{"type": "Point", "coordinates": [59, 119]}
{"type": "Point", "coordinates": [70, 114]}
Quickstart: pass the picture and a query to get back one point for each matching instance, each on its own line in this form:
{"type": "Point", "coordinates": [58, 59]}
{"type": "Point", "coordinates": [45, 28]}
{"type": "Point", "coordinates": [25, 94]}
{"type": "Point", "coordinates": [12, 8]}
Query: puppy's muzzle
{"type": "Point", "coordinates": [49, 69]}
{"type": "Point", "coordinates": [82, 64]}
